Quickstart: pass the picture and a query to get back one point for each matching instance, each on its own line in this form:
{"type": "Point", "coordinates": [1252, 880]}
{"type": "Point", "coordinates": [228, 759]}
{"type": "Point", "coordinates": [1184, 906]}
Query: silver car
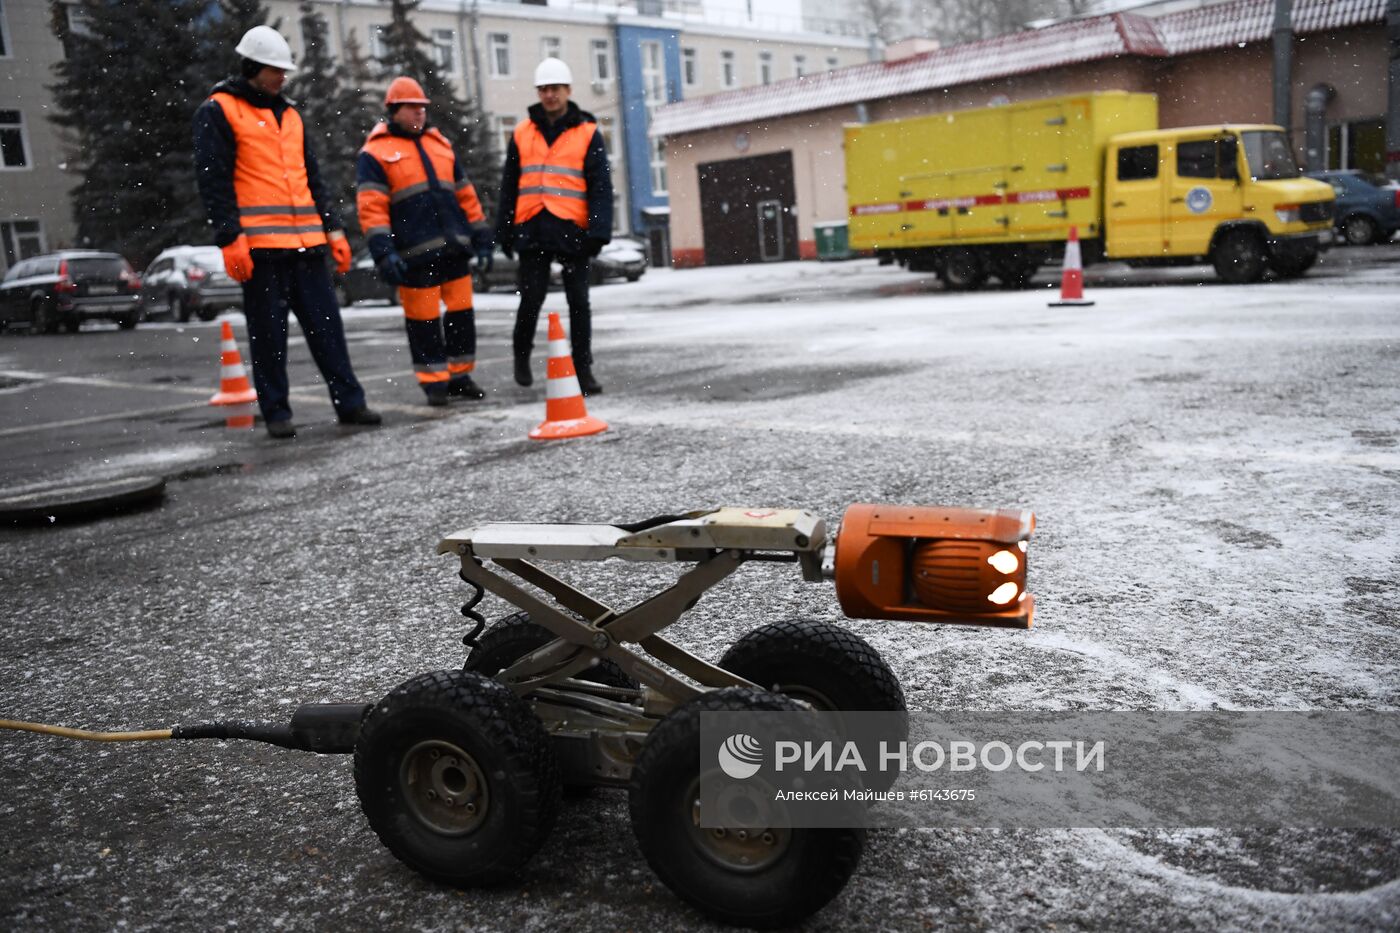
{"type": "Point", "coordinates": [188, 281]}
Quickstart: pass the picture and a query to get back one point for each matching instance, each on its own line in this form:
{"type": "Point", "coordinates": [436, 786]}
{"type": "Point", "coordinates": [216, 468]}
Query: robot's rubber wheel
{"type": "Point", "coordinates": [770, 878]}
{"type": "Point", "coordinates": [457, 777]}
{"type": "Point", "coordinates": [515, 636]}
{"type": "Point", "coordinates": [830, 668]}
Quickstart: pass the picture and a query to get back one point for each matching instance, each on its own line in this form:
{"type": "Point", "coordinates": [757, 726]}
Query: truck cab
{"type": "Point", "coordinates": [1230, 194]}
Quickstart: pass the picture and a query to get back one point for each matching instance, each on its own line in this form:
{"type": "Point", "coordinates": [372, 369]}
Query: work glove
{"type": "Point", "coordinates": [238, 259]}
{"type": "Point", "coordinates": [482, 246]}
{"type": "Point", "coordinates": [393, 269]}
{"type": "Point", "coordinates": [592, 246]}
{"type": "Point", "coordinates": [340, 251]}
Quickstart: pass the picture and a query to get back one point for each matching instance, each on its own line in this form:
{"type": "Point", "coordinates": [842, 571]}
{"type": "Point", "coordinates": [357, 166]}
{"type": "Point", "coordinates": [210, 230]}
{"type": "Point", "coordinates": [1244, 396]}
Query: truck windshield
{"type": "Point", "coordinates": [1268, 155]}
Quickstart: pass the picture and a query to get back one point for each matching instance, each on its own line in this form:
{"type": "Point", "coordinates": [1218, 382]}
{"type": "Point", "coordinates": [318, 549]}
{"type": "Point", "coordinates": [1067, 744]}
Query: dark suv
{"type": "Point", "coordinates": [185, 281]}
{"type": "Point", "coordinates": [64, 289]}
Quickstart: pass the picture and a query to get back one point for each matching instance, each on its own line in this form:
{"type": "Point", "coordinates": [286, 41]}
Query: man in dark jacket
{"type": "Point", "coordinates": [273, 219]}
{"type": "Point", "coordinates": [556, 203]}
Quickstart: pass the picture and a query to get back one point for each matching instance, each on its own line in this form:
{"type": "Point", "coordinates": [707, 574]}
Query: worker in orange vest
{"type": "Point", "coordinates": [424, 223]}
{"type": "Point", "coordinates": [274, 220]}
{"type": "Point", "coordinates": [556, 203]}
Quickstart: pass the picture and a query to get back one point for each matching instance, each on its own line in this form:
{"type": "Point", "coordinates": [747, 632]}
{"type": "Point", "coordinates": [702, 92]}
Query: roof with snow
{"type": "Point", "coordinates": [1066, 43]}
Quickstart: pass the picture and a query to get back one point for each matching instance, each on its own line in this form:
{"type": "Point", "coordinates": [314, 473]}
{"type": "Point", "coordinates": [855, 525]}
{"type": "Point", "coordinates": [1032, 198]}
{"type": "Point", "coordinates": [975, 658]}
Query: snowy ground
{"type": "Point", "coordinates": [1214, 470]}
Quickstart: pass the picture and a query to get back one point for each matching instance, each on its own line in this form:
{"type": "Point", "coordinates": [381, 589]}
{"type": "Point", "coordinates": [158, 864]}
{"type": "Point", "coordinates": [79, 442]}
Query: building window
{"type": "Point", "coordinates": [14, 151]}
{"type": "Point", "coordinates": [690, 67]}
{"type": "Point", "coordinates": [832, 63]}
{"type": "Point", "coordinates": [21, 239]}
{"type": "Point", "coordinates": [658, 166]}
{"type": "Point", "coordinates": [445, 50]}
{"type": "Point", "coordinates": [728, 74]}
{"type": "Point", "coordinates": [4, 33]}
{"type": "Point", "coordinates": [605, 130]}
{"type": "Point", "coordinates": [799, 65]}
{"type": "Point", "coordinates": [765, 67]}
{"type": "Point", "coordinates": [378, 48]}
{"type": "Point", "coordinates": [324, 35]}
{"type": "Point", "coordinates": [499, 45]}
{"type": "Point", "coordinates": [1359, 144]}
{"type": "Point", "coordinates": [505, 130]}
{"type": "Point", "coordinates": [600, 55]}
{"type": "Point", "coordinates": [551, 47]}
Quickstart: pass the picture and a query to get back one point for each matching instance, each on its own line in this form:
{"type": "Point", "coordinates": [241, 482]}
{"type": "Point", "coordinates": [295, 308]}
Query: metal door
{"type": "Point", "coordinates": [770, 231]}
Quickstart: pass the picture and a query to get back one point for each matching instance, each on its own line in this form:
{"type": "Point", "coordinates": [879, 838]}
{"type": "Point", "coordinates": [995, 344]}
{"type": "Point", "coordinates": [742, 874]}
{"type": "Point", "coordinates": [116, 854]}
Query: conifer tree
{"type": "Point", "coordinates": [406, 52]}
{"type": "Point", "coordinates": [336, 107]}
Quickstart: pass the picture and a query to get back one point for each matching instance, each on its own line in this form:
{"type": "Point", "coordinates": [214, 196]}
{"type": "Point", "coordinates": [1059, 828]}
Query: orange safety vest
{"type": "Point", "coordinates": [275, 207]}
{"type": "Point", "coordinates": [551, 177]}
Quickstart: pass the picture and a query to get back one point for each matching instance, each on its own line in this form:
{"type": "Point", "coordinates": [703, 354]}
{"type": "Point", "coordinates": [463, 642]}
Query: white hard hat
{"type": "Point", "coordinates": [265, 45]}
{"type": "Point", "coordinates": [553, 71]}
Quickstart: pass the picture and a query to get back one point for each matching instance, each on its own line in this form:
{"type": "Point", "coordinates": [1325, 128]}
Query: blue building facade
{"type": "Point", "coordinates": [637, 50]}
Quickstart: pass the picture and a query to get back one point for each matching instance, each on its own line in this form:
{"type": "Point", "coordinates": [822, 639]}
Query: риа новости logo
{"type": "Point", "coordinates": [740, 756]}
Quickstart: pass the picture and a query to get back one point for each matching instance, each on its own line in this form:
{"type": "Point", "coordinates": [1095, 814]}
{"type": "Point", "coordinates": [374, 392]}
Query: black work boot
{"type": "Point", "coordinates": [361, 415]}
{"type": "Point", "coordinates": [281, 430]}
{"type": "Point", "coordinates": [522, 371]}
{"type": "Point", "coordinates": [464, 386]}
{"type": "Point", "coordinates": [586, 383]}
{"type": "Point", "coordinates": [436, 399]}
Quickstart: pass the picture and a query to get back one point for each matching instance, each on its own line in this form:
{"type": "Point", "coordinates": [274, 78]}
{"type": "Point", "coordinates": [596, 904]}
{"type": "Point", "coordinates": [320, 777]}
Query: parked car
{"type": "Point", "coordinates": [187, 281]}
{"type": "Point", "coordinates": [362, 283]}
{"type": "Point", "coordinates": [66, 288]}
{"type": "Point", "coordinates": [1368, 208]}
{"type": "Point", "coordinates": [618, 260]}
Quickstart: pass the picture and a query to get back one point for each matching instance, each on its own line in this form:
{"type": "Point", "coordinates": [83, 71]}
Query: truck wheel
{"type": "Point", "coordinates": [207, 313]}
{"type": "Point", "coordinates": [1293, 266]}
{"type": "Point", "coordinates": [1017, 276]}
{"type": "Point", "coordinates": [1238, 257]}
{"type": "Point", "coordinates": [963, 269]}
{"type": "Point", "coordinates": [457, 778]}
{"type": "Point", "coordinates": [515, 636]}
{"type": "Point", "coordinates": [1360, 230]}
{"type": "Point", "coordinates": [830, 668]}
{"type": "Point", "coordinates": [762, 878]}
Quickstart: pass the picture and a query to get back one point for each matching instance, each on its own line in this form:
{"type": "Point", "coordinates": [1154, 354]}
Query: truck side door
{"type": "Point", "coordinates": [1201, 194]}
{"type": "Point", "coordinates": [928, 204]}
{"type": "Point", "coordinates": [1134, 202]}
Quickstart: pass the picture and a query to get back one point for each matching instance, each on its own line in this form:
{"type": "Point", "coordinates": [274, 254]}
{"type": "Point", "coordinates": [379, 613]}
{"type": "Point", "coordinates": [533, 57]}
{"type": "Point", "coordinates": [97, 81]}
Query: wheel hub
{"type": "Point", "coordinates": [745, 850]}
{"type": "Point", "coordinates": [444, 787]}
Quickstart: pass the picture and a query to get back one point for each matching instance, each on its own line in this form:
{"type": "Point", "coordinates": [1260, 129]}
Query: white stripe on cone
{"type": "Point", "coordinates": [558, 348]}
{"type": "Point", "coordinates": [233, 371]}
{"type": "Point", "coordinates": [562, 387]}
{"type": "Point", "coordinates": [1072, 257]}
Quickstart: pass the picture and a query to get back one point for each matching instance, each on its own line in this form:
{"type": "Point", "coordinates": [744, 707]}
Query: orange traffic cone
{"type": "Point", "coordinates": [240, 417]}
{"type": "Point", "coordinates": [1072, 275]}
{"type": "Point", "coordinates": [564, 412]}
{"type": "Point", "coordinates": [233, 382]}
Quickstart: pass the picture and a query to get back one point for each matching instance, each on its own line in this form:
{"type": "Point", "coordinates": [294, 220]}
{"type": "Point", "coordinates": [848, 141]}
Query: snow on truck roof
{"type": "Point", "coordinates": [1065, 43]}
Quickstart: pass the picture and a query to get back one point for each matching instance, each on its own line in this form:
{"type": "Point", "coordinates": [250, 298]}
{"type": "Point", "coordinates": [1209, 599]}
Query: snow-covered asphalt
{"type": "Point", "coordinates": [1215, 471]}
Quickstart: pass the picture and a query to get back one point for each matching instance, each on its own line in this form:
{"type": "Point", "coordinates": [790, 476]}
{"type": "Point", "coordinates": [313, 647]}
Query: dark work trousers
{"type": "Point", "coordinates": [290, 280]}
{"type": "Point", "coordinates": [534, 284]}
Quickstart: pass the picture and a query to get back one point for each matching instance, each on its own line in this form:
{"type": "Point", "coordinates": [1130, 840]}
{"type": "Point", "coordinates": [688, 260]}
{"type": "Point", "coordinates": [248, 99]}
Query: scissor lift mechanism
{"type": "Point", "coordinates": [608, 724]}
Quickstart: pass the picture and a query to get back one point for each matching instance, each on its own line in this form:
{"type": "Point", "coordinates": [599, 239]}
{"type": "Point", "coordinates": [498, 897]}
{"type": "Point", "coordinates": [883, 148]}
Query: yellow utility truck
{"type": "Point", "coordinates": [994, 191]}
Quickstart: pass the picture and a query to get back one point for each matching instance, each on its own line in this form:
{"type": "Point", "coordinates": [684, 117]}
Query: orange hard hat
{"type": "Point", "coordinates": [404, 90]}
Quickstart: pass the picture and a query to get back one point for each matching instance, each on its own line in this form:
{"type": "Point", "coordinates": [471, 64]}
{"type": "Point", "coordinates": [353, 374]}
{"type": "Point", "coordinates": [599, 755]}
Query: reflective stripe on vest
{"type": "Point", "coordinates": [275, 207]}
{"type": "Point", "coordinates": [551, 177]}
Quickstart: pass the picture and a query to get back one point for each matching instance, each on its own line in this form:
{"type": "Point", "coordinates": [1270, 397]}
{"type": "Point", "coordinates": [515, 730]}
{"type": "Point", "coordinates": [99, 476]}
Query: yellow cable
{"type": "Point", "coordinates": [152, 735]}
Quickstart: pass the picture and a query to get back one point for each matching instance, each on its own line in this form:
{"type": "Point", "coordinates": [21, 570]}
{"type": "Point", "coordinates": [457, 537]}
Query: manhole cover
{"type": "Point", "coordinates": [81, 500]}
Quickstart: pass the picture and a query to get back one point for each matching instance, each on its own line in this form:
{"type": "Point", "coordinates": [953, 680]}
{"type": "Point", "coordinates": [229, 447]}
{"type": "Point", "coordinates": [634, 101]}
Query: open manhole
{"type": "Point", "coordinates": [81, 500]}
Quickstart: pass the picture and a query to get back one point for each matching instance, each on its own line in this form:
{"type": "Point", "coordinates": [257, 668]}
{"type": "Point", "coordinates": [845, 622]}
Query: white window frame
{"type": "Point", "coordinates": [728, 69]}
{"type": "Point", "coordinates": [600, 60]}
{"type": "Point", "coordinates": [658, 165]}
{"type": "Point", "coordinates": [444, 43]}
{"type": "Point", "coordinates": [6, 45]}
{"type": "Point", "coordinates": [377, 49]}
{"type": "Point", "coordinates": [26, 151]}
{"type": "Point", "coordinates": [799, 65]}
{"type": "Point", "coordinates": [9, 242]}
{"type": "Point", "coordinates": [505, 131]}
{"type": "Point", "coordinates": [496, 43]}
{"type": "Point", "coordinates": [690, 67]}
{"type": "Point", "coordinates": [556, 42]}
{"type": "Point", "coordinates": [765, 67]}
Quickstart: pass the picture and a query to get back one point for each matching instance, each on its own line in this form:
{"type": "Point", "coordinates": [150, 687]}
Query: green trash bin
{"type": "Point", "coordinates": [833, 240]}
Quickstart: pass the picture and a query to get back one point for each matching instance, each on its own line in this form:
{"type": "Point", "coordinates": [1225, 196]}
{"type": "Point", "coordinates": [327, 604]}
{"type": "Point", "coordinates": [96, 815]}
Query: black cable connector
{"type": "Point", "coordinates": [324, 728]}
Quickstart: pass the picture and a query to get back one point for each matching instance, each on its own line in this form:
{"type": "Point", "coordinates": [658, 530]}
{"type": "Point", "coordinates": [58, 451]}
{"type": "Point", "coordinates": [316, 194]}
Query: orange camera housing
{"type": "Point", "coordinates": [931, 564]}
